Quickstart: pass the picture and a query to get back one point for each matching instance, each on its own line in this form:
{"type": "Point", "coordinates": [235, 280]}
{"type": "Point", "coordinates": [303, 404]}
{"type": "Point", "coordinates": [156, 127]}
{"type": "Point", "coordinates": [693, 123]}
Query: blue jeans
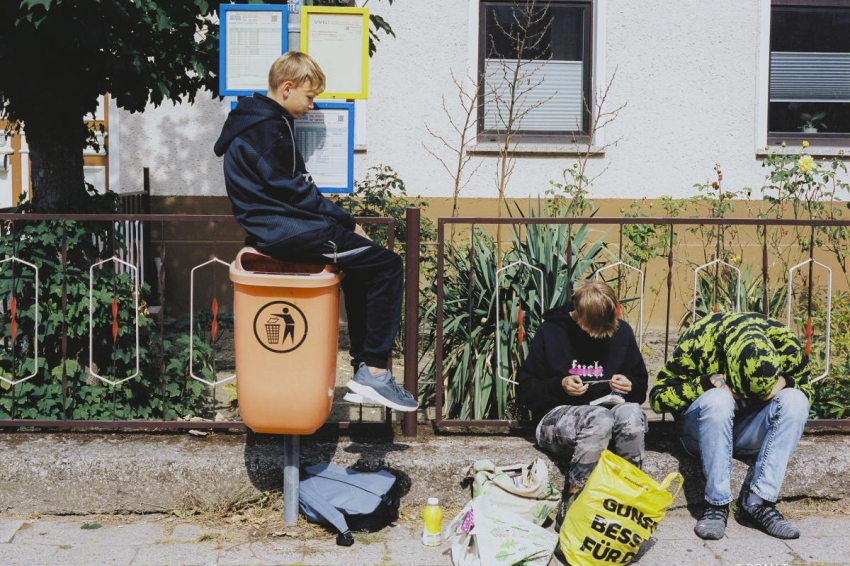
{"type": "Point", "coordinates": [713, 428]}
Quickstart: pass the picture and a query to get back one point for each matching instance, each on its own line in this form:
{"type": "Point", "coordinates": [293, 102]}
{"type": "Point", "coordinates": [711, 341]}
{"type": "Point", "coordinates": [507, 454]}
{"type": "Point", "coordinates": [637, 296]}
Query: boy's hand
{"type": "Point", "coordinates": [719, 381]}
{"type": "Point", "coordinates": [358, 229]}
{"type": "Point", "coordinates": [621, 384]}
{"type": "Point", "coordinates": [573, 385]}
{"type": "Point", "coordinates": [777, 387]}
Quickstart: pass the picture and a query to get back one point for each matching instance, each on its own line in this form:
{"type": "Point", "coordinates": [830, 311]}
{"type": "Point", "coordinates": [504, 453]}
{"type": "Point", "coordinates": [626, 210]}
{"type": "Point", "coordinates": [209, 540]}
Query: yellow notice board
{"type": "Point", "coordinates": [338, 39]}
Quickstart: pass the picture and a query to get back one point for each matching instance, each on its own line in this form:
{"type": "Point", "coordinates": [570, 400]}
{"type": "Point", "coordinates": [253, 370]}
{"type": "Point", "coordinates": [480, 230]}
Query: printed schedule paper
{"type": "Point", "coordinates": [338, 39]}
{"type": "Point", "coordinates": [325, 137]}
{"type": "Point", "coordinates": [252, 40]}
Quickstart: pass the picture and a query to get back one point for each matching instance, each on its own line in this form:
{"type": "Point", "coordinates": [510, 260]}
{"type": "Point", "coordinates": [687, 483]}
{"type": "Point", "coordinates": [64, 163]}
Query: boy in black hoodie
{"type": "Point", "coordinates": [584, 380]}
{"type": "Point", "coordinates": [285, 216]}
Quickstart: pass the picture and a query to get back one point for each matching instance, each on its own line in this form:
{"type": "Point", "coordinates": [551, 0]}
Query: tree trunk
{"type": "Point", "coordinates": [56, 138]}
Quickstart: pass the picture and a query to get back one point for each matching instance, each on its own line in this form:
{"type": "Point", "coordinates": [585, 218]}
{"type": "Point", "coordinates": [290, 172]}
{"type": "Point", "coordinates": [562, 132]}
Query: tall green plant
{"type": "Point", "coordinates": [477, 368]}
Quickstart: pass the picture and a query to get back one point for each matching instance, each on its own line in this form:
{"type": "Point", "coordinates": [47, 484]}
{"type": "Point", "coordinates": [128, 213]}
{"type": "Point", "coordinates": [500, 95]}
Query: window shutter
{"type": "Point", "coordinates": [809, 77]}
{"type": "Point", "coordinates": [560, 86]}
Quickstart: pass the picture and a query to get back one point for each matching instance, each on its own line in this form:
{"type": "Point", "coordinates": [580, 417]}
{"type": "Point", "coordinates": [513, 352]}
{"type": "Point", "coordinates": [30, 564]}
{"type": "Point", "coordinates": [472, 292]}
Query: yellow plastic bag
{"type": "Point", "coordinates": [618, 509]}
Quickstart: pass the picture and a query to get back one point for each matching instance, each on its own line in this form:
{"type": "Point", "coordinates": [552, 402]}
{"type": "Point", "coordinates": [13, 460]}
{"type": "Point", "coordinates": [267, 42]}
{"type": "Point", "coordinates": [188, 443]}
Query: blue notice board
{"type": "Point", "coordinates": [251, 36]}
{"type": "Point", "coordinates": [325, 138]}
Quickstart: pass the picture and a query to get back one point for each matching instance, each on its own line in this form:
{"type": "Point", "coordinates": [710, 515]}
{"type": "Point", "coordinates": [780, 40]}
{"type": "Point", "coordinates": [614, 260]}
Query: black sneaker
{"type": "Point", "coordinates": [766, 517]}
{"type": "Point", "coordinates": [567, 499]}
{"type": "Point", "coordinates": [712, 524]}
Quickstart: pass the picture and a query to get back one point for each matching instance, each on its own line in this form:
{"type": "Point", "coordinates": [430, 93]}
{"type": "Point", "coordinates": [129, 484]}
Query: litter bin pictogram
{"type": "Point", "coordinates": [286, 327]}
{"type": "Point", "coordinates": [273, 331]}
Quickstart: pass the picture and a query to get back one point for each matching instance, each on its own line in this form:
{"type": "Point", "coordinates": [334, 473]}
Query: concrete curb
{"type": "Point", "coordinates": [85, 473]}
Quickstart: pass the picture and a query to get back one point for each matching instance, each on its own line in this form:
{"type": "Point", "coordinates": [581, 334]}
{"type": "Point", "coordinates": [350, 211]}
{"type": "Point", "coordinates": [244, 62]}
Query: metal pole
{"type": "Point", "coordinates": [291, 457]}
{"type": "Point", "coordinates": [293, 36]}
{"type": "Point", "coordinates": [291, 442]}
{"type": "Point", "coordinates": [411, 317]}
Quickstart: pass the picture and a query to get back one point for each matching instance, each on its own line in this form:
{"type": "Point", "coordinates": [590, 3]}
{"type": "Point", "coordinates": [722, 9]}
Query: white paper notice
{"type": "Point", "coordinates": [335, 41]}
{"type": "Point", "coordinates": [254, 40]}
{"type": "Point", "coordinates": [322, 138]}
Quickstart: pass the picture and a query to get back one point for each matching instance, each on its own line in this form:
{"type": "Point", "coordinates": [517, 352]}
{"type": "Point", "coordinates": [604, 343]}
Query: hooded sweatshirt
{"type": "Point", "coordinates": [749, 349]}
{"type": "Point", "coordinates": [272, 196]}
{"type": "Point", "coordinates": [560, 348]}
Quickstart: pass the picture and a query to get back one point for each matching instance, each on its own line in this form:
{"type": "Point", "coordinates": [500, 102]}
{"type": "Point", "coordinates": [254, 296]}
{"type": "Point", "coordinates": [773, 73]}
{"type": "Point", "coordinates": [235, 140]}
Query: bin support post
{"type": "Point", "coordinates": [291, 457]}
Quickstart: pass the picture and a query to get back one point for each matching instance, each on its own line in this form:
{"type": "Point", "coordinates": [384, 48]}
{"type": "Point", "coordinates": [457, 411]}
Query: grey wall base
{"type": "Point", "coordinates": [70, 473]}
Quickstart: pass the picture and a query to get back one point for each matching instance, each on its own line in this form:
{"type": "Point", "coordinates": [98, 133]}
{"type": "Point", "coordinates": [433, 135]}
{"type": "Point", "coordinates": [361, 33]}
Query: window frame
{"type": "Point", "coordinates": [588, 62]}
{"type": "Point", "coordinates": [774, 138]}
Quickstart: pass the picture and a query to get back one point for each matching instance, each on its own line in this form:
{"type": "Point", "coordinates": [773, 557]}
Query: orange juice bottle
{"type": "Point", "coordinates": [432, 517]}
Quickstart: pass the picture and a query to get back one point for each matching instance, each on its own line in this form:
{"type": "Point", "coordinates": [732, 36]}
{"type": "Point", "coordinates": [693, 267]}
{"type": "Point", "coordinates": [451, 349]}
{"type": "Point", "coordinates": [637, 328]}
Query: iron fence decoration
{"type": "Point", "coordinates": [788, 318]}
{"type": "Point", "coordinates": [13, 325]}
{"type": "Point", "coordinates": [718, 262]}
{"type": "Point", "coordinates": [520, 330]}
{"type": "Point", "coordinates": [213, 324]}
{"type": "Point", "coordinates": [619, 265]}
{"type": "Point", "coordinates": [115, 326]}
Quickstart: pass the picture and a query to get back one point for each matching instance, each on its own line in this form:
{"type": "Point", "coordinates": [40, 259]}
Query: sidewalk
{"type": "Point", "coordinates": [163, 540]}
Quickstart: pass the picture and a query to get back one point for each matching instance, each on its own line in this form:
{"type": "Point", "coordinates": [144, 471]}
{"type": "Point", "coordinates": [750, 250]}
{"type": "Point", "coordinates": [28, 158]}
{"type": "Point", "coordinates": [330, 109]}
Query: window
{"type": "Point", "coordinates": [535, 60]}
{"type": "Point", "coordinates": [809, 71]}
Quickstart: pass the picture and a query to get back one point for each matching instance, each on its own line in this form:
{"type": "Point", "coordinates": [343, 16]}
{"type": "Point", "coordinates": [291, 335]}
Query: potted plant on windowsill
{"type": "Point", "coordinates": [811, 122]}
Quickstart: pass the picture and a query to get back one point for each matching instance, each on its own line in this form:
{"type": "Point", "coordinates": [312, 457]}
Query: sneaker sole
{"type": "Point", "coordinates": [368, 393]}
{"type": "Point", "coordinates": [352, 397]}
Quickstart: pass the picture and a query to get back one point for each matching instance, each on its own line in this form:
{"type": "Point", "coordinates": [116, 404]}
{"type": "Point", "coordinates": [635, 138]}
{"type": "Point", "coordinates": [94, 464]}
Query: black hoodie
{"type": "Point", "coordinates": [272, 196]}
{"type": "Point", "coordinates": [559, 346]}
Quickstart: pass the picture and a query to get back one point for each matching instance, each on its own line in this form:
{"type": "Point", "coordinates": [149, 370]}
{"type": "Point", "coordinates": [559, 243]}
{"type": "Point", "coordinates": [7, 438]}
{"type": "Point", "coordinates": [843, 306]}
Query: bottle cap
{"type": "Point", "coordinates": [433, 501]}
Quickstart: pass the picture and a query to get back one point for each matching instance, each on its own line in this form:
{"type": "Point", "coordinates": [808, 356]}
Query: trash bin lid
{"type": "Point", "coordinates": [252, 267]}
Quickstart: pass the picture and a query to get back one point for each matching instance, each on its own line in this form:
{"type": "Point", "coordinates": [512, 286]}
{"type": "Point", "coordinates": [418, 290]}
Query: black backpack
{"type": "Point", "coordinates": [349, 500]}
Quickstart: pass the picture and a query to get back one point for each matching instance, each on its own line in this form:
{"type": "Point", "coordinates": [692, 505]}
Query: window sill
{"type": "Point", "coordinates": [537, 149]}
{"type": "Point", "coordinates": [814, 150]}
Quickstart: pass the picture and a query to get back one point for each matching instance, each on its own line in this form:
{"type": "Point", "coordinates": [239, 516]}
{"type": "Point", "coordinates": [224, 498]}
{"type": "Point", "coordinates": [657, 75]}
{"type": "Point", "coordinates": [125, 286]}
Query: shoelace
{"type": "Point", "coordinates": [401, 390]}
{"type": "Point", "coordinates": [766, 514]}
{"type": "Point", "coordinates": [713, 513]}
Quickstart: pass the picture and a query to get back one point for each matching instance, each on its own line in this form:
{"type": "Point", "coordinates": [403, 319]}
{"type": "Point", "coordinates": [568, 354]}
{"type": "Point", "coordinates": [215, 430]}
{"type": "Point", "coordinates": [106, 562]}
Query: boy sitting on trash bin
{"type": "Point", "coordinates": [277, 203]}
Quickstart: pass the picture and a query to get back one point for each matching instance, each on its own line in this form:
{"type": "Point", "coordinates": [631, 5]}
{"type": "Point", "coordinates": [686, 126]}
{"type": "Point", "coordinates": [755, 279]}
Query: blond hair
{"type": "Point", "coordinates": [297, 68]}
{"type": "Point", "coordinates": [595, 307]}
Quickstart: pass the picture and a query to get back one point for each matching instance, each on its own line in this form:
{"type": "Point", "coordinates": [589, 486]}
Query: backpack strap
{"type": "Point", "coordinates": [308, 496]}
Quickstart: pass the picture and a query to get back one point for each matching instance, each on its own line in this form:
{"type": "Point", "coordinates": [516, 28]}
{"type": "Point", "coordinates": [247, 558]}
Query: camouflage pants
{"type": "Point", "coordinates": [580, 434]}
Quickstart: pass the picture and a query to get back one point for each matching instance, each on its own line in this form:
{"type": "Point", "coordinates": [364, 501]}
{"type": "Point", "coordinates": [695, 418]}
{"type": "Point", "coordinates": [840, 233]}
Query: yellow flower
{"type": "Point", "coordinates": [805, 163]}
{"type": "Point", "coordinates": [805, 144]}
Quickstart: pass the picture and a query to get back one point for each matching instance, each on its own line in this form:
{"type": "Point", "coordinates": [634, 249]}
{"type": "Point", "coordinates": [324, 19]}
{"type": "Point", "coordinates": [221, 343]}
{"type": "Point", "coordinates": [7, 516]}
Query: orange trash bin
{"type": "Point", "coordinates": [286, 330]}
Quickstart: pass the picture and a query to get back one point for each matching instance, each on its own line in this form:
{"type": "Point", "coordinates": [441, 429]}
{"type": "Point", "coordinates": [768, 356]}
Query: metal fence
{"type": "Point", "coordinates": [49, 369]}
{"type": "Point", "coordinates": [85, 344]}
{"type": "Point", "coordinates": [779, 267]}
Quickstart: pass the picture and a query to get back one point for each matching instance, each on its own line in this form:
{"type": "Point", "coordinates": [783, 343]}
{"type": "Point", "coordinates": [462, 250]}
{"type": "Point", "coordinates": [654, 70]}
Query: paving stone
{"type": "Point", "coordinates": [823, 550]}
{"type": "Point", "coordinates": [8, 529]}
{"type": "Point", "coordinates": [95, 555]}
{"type": "Point", "coordinates": [66, 531]}
{"type": "Point", "coordinates": [756, 549]}
{"type": "Point", "coordinates": [176, 554]}
{"type": "Point", "coordinates": [259, 554]}
{"type": "Point", "coordinates": [28, 554]}
{"type": "Point", "coordinates": [193, 533]}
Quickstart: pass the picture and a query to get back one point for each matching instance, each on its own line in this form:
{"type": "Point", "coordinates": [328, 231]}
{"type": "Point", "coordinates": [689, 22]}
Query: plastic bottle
{"type": "Point", "coordinates": [432, 517]}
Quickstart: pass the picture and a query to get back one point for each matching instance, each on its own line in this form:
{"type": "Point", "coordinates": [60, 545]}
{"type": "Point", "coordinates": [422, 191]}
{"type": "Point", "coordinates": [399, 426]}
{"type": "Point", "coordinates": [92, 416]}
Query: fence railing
{"type": "Point", "coordinates": [72, 338]}
{"type": "Point", "coordinates": [491, 290]}
{"type": "Point", "coordinates": [84, 344]}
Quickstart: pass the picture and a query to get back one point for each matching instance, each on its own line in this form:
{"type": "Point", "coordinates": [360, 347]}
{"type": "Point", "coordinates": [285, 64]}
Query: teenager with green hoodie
{"type": "Point", "coordinates": [738, 383]}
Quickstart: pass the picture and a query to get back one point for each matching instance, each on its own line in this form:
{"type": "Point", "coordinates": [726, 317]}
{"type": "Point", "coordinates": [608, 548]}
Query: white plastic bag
{"type": "Point", "coordinates": [485, 535]}
{"type": "Point", "coordinates": [522, 489]}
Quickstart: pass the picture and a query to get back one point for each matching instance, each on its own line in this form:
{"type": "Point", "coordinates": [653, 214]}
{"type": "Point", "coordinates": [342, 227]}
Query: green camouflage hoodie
{"type": "Point", "coordinates": [749, 349]}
